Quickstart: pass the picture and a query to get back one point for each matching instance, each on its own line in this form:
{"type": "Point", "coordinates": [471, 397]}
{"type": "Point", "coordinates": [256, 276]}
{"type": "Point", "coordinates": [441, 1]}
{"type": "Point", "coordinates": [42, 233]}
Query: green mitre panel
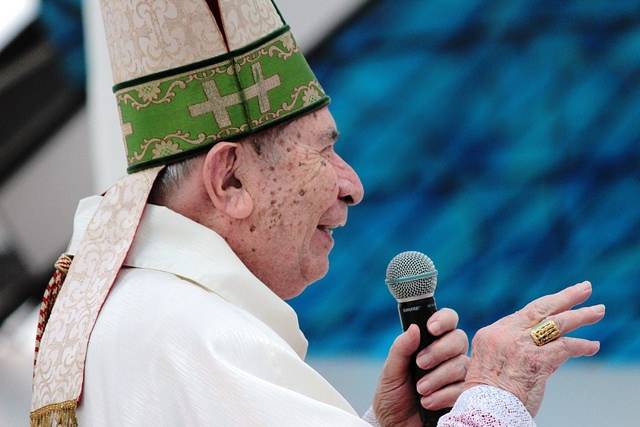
{"type": "Point", "coordinates": [171, 115]}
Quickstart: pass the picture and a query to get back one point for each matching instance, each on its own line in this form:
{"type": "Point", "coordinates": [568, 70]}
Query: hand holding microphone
{"type": "Point", "coordinates": [517, 353]}
{"type": "Point", "coordinates": [426, 366]}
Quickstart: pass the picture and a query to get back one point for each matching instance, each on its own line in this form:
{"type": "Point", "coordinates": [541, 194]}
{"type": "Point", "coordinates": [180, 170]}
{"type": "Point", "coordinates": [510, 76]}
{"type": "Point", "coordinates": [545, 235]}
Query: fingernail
{"type": "Point", "coordinates": [424, 361]}
{"type": "Point", "coordinates": [600, 308]}
{"type": "Point", "coordinates": [423, 387]}
{"type": "Point", "coordinates": [434, 327]}
{"type": "Point", "coordinates": [427, 402]}
{"type": "Point", "coordinates": [585, 286]}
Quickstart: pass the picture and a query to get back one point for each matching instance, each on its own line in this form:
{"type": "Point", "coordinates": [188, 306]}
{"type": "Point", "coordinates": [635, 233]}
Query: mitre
{"type": "Point", "coordinates": [190, 73]}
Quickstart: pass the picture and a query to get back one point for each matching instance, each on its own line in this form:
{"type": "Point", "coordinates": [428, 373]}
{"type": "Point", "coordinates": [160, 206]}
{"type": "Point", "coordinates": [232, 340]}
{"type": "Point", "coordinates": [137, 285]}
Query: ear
{"type": "Point", "coordinates": [223, 186]}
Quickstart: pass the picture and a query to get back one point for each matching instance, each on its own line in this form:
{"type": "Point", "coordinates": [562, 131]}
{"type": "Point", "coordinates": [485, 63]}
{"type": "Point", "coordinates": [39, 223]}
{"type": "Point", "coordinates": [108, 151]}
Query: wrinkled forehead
{"type": "Point", "coordinates": [317, 126]}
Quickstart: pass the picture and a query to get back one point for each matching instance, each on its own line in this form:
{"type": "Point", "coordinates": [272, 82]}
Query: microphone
{"type": "Point", "coordinates": [412, 278]}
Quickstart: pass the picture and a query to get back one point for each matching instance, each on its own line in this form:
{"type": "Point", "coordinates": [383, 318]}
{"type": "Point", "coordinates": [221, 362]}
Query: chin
{"type": "Point", "coordinates": [316, 271]}
{"type": "Point", "coordinates": [293, 294]}
{"type": "Point", "coordinates": [309, 274]}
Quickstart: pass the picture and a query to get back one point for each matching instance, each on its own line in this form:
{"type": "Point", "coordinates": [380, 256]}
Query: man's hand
{"type": "Point", "coordinates": [395, 401]}
{"type": "Point", "coordinates": [505, 356]}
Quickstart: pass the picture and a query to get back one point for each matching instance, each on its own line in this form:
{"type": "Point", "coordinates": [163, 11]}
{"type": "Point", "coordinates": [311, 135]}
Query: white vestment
{"type": "Point", "coordinates": [190, 337]}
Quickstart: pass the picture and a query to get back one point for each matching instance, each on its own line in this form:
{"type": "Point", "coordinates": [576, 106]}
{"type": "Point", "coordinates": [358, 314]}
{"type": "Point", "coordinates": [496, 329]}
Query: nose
{"type": "Point", "coordinates": [351, 190]}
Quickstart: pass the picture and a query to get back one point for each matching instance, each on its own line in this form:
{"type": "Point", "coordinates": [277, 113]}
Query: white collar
{"type": "Point", "coordinates": [167, 241]}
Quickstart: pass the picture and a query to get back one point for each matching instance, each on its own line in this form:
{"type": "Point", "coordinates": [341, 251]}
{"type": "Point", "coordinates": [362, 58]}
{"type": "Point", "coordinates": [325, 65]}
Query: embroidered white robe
{"type": "Point", "coordinates": [190, 337]}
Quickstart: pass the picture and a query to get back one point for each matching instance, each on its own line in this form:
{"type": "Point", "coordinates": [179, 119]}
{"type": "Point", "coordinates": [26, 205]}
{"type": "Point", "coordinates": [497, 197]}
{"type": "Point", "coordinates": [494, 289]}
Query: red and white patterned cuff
{"type": "Point", "coordinates": [487, 406]}
{"type": "Point", "coordinates": [480, 406]}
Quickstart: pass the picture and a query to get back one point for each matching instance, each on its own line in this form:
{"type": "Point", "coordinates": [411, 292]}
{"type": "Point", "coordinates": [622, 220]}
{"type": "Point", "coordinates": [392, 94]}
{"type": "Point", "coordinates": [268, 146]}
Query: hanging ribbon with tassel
{"type": "Point", "coordinates": [62, 266]}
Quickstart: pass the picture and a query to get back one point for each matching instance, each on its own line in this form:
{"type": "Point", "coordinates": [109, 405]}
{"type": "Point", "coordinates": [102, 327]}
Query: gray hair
{"type": "Point", "coordinates": [170, 179]}
{"type": "Point", "coordinates": [173, 175]}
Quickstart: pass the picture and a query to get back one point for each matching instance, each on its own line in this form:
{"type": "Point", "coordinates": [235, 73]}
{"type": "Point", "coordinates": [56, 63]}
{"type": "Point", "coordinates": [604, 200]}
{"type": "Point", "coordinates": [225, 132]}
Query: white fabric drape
{"type": "Point", "coordinates": [188, 336]}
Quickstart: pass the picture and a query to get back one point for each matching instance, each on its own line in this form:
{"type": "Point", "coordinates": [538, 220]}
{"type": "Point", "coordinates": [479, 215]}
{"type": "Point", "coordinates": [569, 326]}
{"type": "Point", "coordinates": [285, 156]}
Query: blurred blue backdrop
{"type": "Point", "coordinates": [501, 138]}
{"type": "Point", "coordinates": [62, 20]}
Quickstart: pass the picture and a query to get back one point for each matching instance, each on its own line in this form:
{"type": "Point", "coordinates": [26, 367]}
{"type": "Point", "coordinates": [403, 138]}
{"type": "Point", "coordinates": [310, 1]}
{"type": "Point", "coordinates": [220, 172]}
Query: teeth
{"type": "Point", "coordinates": [326, 229]}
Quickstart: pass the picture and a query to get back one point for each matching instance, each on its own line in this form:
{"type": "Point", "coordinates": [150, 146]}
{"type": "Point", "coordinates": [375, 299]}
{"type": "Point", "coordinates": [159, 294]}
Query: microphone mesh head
{"type": "Point", "coordinates": [411, 275]}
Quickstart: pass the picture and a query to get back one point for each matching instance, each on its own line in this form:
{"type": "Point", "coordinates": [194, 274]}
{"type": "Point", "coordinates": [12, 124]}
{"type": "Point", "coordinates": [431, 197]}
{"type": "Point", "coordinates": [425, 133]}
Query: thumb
{"type": "Point", "coordinates": [400, 355]}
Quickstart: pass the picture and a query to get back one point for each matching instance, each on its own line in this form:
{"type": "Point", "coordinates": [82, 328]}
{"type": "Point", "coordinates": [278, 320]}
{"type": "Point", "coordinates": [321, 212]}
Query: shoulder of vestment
{"type": "Point", "coordinates": [160, 313]}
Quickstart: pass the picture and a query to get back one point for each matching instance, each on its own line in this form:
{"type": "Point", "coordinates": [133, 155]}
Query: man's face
{"type": "Point", "coordinates": [301, 190]}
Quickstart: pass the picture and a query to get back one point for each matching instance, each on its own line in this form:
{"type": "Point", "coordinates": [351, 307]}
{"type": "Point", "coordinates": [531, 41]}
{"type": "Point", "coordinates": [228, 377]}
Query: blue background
{"type": "Point", "coordinates": [502, 138]}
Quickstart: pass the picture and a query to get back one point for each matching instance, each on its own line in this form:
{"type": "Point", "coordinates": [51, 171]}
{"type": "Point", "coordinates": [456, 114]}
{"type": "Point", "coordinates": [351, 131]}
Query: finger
{"type": "Point", "coordinates": [572, 347]}
{"type": "Point", "coordinates": [443, 320]}
{"type": "Point", "coordinates": [444, 348]}
{"type": "Point", "coordinates": [444, 398]}
{"type": "Point", "coordinates": [400, 354]}
{"type": "Point", "coordinates": [547, 305]}
{"type": "Point", "coordinates": [571, 320]}
{"type": "Point", "coordinates": [451, 371]}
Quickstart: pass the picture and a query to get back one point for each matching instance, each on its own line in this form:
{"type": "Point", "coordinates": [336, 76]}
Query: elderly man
{"type": "Point", "coordinates": [173, 312]}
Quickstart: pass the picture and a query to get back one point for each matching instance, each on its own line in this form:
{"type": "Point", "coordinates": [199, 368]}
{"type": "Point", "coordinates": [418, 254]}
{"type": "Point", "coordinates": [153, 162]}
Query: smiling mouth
{"type": "Point", "coordinates": [326, 229]}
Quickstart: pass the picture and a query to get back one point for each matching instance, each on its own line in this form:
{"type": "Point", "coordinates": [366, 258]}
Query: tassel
{"type": "Point", "coordinates": [58, 415]}
{"type": "Point", "coordinates": [50, 294]}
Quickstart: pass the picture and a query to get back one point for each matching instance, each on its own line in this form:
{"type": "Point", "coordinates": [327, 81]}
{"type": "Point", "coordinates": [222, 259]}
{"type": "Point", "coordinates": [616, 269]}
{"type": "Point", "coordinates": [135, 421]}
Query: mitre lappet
{"type": "Point", "coordinates": [187, 74]}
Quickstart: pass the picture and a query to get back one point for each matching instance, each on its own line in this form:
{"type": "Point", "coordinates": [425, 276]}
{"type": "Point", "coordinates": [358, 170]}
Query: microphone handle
{"type": "Point", "coordinates": [419, 312]}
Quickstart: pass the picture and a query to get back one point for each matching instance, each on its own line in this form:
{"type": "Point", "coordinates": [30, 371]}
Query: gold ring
{"type": "Point", "coordinates": [545, 332]}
